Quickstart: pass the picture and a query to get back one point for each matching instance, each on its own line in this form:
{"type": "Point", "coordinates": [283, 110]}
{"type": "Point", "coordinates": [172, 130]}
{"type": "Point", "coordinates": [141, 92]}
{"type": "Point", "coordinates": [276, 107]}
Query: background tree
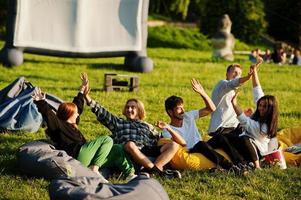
{"type": "Point", "coordinates": [284, 20]}
{"type": "Point", "coordinates": [248, 18]}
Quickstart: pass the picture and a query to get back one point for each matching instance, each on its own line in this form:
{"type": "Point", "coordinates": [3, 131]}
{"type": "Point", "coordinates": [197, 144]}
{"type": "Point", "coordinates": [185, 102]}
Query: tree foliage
{"type": "Point", "coordinates": [284, 19]}
{"type": "Point", "coordinates": [248, 18]}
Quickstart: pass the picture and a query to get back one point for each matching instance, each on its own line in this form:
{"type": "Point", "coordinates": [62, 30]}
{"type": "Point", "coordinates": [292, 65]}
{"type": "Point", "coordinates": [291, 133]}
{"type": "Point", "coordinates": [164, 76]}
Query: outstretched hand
{"type": "Point", "coordinates": [161, 125]}
{"type": "Point", "coordinates": [197, 87]}
{"type": "Point", "coordinates": [38, 95]}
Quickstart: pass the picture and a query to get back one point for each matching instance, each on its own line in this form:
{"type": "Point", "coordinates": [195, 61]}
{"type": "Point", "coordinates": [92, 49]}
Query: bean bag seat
{"type": "Point", "coordinates": [194, 161]}
{"type": "Point", "coordinates": [287, 138]}
{"type": "Point", "coordinates": [17, 109]}
{"type": "Point", "coordinates": [141, 188]}
{"type": "Point", "coordinates": [40, 159]}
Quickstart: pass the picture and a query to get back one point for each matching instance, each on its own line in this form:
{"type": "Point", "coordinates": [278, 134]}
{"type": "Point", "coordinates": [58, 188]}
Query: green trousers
{"type": "Point", "coordinates": [103, 153]}
{"type": "Point", "coordinates": [117, 158]}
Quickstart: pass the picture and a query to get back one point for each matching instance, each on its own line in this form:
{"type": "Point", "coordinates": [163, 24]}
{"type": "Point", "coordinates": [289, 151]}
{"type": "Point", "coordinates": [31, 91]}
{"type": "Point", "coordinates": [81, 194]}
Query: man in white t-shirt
{"type": "Point", "coordinates": [184, 124]}
{"type": "Point", "coordinates": [223, 119]}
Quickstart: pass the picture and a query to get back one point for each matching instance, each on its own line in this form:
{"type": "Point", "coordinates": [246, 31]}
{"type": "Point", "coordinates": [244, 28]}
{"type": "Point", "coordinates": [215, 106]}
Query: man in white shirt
{"type": "Point", "coordinates": [184, 124]}
{"type": "Point", "coordinates": [223, 119]}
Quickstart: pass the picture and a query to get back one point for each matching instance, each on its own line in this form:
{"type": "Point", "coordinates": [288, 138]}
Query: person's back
{"type": "Point", "coordinates": [297, 58]}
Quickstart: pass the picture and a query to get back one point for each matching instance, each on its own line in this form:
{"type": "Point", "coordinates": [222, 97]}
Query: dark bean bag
{"type": "Point", "coordinates": [141, 188]}
{"type": "Point", "coordinates": [41, 159]}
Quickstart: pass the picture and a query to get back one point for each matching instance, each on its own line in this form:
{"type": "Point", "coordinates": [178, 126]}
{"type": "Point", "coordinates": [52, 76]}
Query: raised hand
{"type": "Point", "coordinates": [259, 60]}
{"type": "Point", "coordinates": [161, 125]}
{"type": "Point", "coordinates": [38, 95]}
{"type": "Point", "coordinates": [258, 63]}
{"type": "Point", "coordinates": [85, 87]}
{"type": "Point", "coordinates": [197, 87]}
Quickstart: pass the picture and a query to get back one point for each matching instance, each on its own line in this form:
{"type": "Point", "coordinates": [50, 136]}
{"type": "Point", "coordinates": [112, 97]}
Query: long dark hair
{"type": "Point", "coordinates": [271, 116]}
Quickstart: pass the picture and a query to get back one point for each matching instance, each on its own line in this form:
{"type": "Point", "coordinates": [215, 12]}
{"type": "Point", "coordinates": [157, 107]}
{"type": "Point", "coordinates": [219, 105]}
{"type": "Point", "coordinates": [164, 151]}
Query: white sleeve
{"type": "Point", "coordinates": [194, 114]}
{"type": "Point", "coordinates": [257, 93]}
{"type": "Point", "coordinates": [251, 126]}
{"type": "Point", "coordinates": [166, 134]}
{"type": "Point", "coordinates": [226, 86]}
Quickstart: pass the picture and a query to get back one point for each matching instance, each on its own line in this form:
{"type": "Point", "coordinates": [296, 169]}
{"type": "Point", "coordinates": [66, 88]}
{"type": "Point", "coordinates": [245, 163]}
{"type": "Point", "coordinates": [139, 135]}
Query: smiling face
{"type": "Point", "coordinates": [177, 112]}
{"type": "Point", "coordinates": [233, 72]}
{"type": "Point", "coordinates": [262, 108]}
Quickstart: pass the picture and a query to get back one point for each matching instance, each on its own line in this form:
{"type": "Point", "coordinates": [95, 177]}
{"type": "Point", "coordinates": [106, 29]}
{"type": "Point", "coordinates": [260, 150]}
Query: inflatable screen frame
{"type": "Point", "coordinates": [78, 28]}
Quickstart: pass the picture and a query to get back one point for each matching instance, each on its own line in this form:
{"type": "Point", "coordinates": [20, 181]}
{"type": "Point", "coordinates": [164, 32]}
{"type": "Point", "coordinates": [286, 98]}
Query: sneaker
{"type": "Point", "coordinates": [130, 177]}
{"type": "Point", "coordinates": [216, 170]}
{"type": "Point", "coordinates": [169, 173]}
{"type": "Point", "coordinates": [247, 167]}
{"type": "Point", "coordinates": [239, 170]}
{"type": "Point", "coordinates": [103, 179]}
{"type": "Point", "coordinates": [144, 174]}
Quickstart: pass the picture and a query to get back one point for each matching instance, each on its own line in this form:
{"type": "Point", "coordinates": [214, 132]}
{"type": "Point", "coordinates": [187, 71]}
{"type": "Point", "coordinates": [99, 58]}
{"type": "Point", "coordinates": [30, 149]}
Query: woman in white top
{"type": "Point", "coordinates": [260, 129]}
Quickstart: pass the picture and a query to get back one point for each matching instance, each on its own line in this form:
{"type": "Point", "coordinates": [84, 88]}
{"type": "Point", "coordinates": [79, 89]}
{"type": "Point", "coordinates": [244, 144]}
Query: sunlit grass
{"type": "Point", "coordinates": [172, 73]}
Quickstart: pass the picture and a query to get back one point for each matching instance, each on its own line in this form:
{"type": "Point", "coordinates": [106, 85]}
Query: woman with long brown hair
{"type": "Point", "coordinates": [260, 129]}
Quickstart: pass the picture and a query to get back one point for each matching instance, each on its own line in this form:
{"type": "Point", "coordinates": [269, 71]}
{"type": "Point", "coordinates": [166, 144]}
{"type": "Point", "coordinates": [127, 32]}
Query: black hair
{"type": "Point", "coordinates": [172, 102]}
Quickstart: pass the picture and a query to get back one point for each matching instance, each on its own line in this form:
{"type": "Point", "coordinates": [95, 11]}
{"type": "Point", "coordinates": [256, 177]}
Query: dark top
{"type": "Point", "coordinates": [65, 136]}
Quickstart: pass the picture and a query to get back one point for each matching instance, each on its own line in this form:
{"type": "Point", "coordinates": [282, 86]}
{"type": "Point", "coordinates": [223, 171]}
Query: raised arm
{"type": "Point", "coordinates": [255, 79]}
{"type": "Point", "coordinates": [257, 90]}
{"type": "Point", "coordinates": [198, 88]}
{"type": "Point", "coordinates": [236, 107]}
{"type": "Point", "coordinates": [48, 115]}
{"type": "Point", "coordinates": [103, 116]}
{"type": "Point", "coordinates": [174, 135]}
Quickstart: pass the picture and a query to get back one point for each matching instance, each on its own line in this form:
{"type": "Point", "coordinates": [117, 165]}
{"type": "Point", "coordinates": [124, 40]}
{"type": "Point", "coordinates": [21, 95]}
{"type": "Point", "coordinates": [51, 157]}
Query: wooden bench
{"type": "Point", "coordinates": [120, 81]}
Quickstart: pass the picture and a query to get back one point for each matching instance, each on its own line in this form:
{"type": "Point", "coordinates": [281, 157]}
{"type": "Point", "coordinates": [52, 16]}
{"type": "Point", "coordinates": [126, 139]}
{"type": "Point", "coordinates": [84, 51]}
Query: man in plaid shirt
{"type": "Point", "coordinates": [138, 137]}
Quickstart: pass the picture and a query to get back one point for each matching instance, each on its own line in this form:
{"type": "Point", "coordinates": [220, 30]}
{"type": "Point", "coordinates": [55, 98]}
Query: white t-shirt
{"type": "Point", "coordinates": [253, 130]}
{"type": "Point", "coordinates": [189, 130]}
{"type": "Point", "coordinates": [224, 115]}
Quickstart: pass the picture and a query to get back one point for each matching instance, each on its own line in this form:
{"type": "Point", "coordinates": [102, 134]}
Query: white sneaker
{"type": "Point", "coordinates": [130, 177]}
{"type": "Point", "coordinates": [103, 179]}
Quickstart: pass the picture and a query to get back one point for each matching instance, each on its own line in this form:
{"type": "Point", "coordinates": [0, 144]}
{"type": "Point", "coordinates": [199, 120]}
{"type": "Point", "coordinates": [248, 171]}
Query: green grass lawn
{"type": "Point", "coordinates": [171, 76]}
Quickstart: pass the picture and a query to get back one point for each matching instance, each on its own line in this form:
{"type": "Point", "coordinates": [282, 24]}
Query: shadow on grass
{"type": "Point", "coordinates": [184, 59]}
{"type": "Point", "coordinates": [109, 66]}
{"type": "Point", "coordinates": [47, 78]}
{"type": "Point", "coordinates": [61, 62]}
{"type": "Point", "coordinates": [93, 65]}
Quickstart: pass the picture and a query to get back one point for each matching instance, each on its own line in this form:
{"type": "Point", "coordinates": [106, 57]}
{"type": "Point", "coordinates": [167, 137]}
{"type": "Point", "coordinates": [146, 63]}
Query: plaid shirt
{"type": "Point", "coordinates": [123, 131]}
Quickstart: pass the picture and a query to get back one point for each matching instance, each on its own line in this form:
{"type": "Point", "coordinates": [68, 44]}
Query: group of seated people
{"type": "Point", "coordinates": [244, 135]}
{"type": "Point", "coordinates": [280, 55]}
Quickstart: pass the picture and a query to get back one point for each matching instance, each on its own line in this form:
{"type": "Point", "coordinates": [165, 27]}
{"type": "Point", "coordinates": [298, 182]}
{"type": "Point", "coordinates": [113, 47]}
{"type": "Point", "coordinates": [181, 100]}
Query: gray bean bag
{"type": "Point", "coordinates": [141, 188]}
{"type": "Point", "coordinates": [41, 159]}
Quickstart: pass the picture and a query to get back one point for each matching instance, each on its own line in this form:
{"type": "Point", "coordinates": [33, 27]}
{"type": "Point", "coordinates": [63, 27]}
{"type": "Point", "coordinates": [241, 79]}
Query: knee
{"type": "Point", "coordinates": [174, 146]}
{"type": "Point", "coordinates": [130, 147]}
{"type": "Point", "coordinates": [108, 140]}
